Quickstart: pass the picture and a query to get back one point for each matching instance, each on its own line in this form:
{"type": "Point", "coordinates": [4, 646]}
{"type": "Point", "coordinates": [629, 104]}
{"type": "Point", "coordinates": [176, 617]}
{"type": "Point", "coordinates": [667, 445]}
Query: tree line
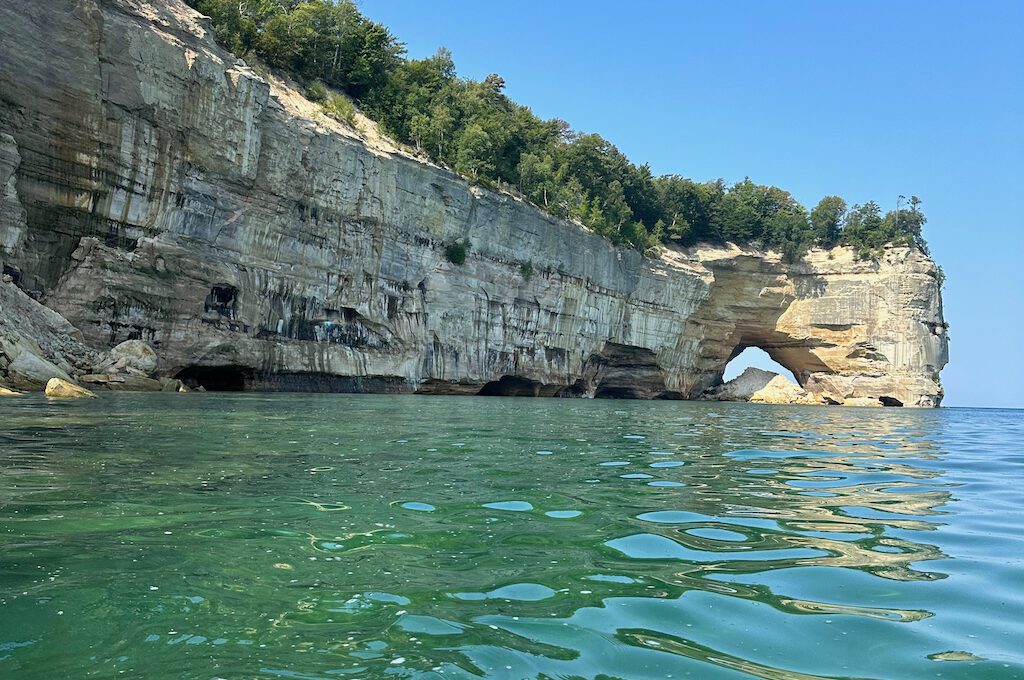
{"type": "Point", "coordinates": [475, 129]}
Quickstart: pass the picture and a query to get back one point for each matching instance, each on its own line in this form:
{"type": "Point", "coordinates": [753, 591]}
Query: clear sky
{"type": "Point", "coordinates": [867, 99]}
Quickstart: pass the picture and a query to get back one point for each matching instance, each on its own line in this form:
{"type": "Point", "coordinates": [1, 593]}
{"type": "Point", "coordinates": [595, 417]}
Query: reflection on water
{"type": "Point", "coordinates": [328, 536]}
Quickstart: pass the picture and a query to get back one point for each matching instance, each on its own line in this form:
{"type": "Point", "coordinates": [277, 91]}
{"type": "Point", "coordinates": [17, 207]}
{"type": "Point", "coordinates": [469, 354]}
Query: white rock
{"type": "Point", "coordinates": [781, 390]}
{"type": "Point", "coordinates": [62, 389]}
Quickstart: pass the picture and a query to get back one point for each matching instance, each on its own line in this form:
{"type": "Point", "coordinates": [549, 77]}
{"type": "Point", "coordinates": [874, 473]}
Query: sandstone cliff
{"type": "Point", "coordinates": [154, 187]}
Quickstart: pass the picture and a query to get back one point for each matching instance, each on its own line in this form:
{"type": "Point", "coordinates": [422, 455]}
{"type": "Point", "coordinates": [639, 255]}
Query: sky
{"type": "Point", "coordinates": [867, 100]}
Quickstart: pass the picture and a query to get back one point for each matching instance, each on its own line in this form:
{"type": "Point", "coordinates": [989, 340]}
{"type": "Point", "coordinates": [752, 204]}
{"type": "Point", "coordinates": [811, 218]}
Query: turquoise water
{"type": "Point", "coordinates": [347, 536]}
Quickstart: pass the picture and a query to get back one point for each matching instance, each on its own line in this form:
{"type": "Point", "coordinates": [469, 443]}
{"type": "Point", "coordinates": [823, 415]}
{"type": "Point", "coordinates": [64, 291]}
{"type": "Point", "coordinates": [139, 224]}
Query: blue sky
{"type": "Point", "coordinates": [867, 99]}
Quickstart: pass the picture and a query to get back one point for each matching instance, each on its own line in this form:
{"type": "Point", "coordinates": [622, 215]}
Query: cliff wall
{"type": "Point", "coordinates": [152, 186]}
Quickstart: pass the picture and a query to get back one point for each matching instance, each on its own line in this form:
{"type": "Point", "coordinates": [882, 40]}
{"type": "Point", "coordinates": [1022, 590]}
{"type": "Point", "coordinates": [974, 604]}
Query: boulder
{"type": "Point", "coordinates": [4, 392]}
{"type": "Point", "coordinates": [173, 385]}
{"type": "Point", "coordinates": [130, 354]}
{"type": "Point", "coordinates": [30, 371]}
{"type": "Point", "coordinates": [742, 387]}
{"type": "Point", "coordinates": [62, 389]}
{"type": "Point", "coordinates": [780, 390]}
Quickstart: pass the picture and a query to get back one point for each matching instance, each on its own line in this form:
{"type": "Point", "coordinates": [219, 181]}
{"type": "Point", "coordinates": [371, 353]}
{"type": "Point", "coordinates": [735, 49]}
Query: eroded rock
{"type": "Point", "coordinates": [62, 389]}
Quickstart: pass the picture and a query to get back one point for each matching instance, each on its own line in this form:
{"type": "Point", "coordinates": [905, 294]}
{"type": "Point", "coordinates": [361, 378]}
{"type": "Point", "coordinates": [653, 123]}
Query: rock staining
{"type": "Point", "coordinates": [154, 187]}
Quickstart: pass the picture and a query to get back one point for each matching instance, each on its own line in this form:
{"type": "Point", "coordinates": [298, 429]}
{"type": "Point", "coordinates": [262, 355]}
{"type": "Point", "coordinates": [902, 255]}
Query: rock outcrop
{"type": "Point", "coordinates": [38, 345]}
{"type": "Point", "coordinates": [154, 188]}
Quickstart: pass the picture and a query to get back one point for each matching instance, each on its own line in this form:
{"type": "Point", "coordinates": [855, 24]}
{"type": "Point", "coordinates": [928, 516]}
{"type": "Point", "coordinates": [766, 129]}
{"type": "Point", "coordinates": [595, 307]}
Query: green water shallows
{"type": "Point", "coordinates": [343, 536]}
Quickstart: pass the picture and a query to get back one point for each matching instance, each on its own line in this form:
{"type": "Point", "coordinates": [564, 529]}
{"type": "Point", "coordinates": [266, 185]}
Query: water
{"type": "Point", "coordinates": [337, 536]}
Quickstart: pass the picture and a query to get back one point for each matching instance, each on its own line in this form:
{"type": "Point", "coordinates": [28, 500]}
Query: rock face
{"type": "Point", "coordinates": [152, 187]}
{"type": "Point", "coordinates": [36, 343]}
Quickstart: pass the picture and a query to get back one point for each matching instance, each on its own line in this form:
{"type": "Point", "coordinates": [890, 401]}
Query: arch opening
{"type": "Point", "coordinates": [755, 357]}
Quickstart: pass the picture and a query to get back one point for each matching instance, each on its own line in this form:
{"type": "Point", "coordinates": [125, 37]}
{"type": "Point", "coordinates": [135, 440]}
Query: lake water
{"type": "Point", "coordinates": [352, 536]}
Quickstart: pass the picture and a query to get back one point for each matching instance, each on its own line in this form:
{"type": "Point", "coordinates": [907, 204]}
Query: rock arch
{"type": "Point", "coordinates": [846, 339]}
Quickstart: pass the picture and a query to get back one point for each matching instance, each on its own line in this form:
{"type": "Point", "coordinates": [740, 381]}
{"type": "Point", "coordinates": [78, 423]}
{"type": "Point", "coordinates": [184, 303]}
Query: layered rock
{"type": "Point", "coordinates": [153, 187]}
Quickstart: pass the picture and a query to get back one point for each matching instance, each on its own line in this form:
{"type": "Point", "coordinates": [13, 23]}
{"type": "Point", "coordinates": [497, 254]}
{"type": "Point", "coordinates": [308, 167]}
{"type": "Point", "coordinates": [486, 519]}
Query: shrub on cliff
{"type": "Point", "coordinates": [339, 108]}
{"type": "Point", "coordinates": [456, 252]}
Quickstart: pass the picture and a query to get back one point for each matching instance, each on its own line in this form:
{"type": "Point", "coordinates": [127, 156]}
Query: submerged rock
{"type": "Point", "coordinates": [62, 389]}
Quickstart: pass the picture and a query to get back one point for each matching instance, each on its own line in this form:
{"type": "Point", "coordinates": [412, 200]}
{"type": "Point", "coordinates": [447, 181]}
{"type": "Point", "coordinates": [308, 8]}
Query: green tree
{"type": "Point", "coordinates": [827, 219]}
{"type": "Point", "coordinates": [474, 157]}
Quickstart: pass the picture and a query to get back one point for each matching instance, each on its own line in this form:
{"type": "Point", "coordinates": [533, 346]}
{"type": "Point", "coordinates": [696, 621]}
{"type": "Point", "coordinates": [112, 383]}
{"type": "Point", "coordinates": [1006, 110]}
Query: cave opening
{"type": "Point", "coordinates": [755, 357]}
{"type": "Point", "coordinates": [14, 274]}
{"type": "Point", "coordinates": [222, 300]}
{"type": "Point", "coordinates": [215, 378]}
{"type": "Point", "coordinates": [510, 386]}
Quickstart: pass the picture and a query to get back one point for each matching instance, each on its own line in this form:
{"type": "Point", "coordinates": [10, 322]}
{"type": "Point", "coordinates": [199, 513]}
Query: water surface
{"type": "Point", "coordinates": [345, 536]}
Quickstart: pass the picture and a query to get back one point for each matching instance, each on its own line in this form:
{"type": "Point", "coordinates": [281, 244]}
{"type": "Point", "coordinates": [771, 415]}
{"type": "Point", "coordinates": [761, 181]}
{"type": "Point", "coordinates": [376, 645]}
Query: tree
{"type": "Point", "coordinates": [827, 219]}
{"type": "Point", "coordinates": [474, 157]}
{"type": "Point", "coordinates": [494, 83]}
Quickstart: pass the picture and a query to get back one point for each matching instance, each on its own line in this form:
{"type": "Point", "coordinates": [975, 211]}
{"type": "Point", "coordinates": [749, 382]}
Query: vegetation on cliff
{"type": "Point", "coordinates": [474, 128]}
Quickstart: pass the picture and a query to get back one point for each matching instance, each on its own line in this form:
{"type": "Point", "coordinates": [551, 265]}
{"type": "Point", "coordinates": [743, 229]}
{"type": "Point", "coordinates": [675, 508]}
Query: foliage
{"type": "Point", "coordinates": [340, 108]}
{"type": "Point", "coordinates": [313, 40]}
{"type": "Point", "coordinates": [475, 129]}
{"type": "Point", "coordinates": [526, 270]}
{"type": "Point", "coordinates": [316, 92]}
{"type": "Point", "coordinates": [456, 252]}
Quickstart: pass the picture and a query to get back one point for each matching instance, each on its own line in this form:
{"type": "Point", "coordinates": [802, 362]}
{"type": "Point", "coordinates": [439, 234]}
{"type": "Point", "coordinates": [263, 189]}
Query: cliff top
{"type": "Point", "coordinates": [422, 109]}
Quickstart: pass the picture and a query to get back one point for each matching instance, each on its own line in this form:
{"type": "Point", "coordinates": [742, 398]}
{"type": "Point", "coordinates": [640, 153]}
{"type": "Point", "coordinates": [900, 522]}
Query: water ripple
{"type": "Point", "coordinates": [356, 536]}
